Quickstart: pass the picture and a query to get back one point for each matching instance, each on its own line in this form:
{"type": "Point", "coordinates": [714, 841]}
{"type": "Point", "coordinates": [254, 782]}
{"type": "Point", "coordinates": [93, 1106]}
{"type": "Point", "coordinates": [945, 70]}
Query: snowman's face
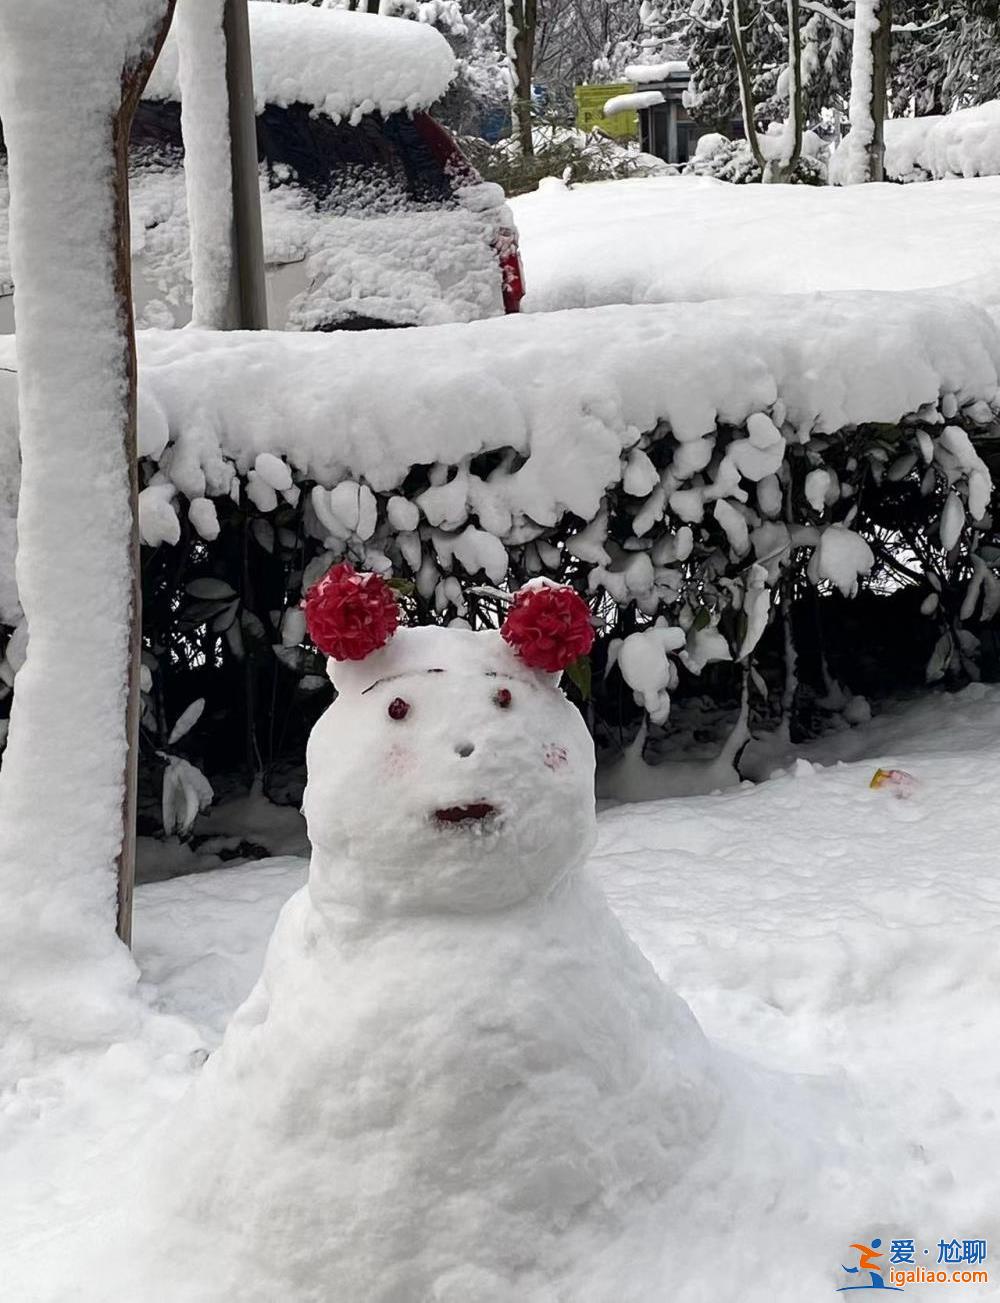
{"type": "Point", "coordinates": [448, 789]}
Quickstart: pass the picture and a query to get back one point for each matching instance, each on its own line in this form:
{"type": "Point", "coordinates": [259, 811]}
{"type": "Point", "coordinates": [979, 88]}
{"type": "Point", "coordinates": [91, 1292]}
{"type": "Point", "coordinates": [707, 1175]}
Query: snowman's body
{"type": "Point", "coordinates": [457, 1078]}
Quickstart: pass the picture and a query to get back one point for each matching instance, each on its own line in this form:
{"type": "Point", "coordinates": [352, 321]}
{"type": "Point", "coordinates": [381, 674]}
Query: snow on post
{"type": "Point", "coordinates": [220, 164]}
{"type": "Point", "coordinates": [70, 75]}
{"type": "Point", "coordinates": [201, 45]}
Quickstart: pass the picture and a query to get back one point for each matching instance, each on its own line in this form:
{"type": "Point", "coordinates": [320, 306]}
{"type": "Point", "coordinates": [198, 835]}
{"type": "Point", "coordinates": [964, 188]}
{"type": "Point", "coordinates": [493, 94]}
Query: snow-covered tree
{"type": "Point", "coordinates": [864, 149]}
{"type": "Point", "coordinates": [67, 782]}
{"type": "Point", "coordinates": [705, 32]}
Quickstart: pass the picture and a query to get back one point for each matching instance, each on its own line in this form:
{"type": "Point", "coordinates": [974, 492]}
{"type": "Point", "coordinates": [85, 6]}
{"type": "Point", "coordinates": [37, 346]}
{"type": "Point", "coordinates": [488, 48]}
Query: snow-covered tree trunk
{"type": "Point", "coordinates": [783, 167]}
{"type": "Point", "coordinates": [70, 76]}
{"type": "Point", "coordinates": [734, 18]}
{"type": "Point", "coordinates": [864, 147]}
{"type": "Point", "coordinates": [521, 20]}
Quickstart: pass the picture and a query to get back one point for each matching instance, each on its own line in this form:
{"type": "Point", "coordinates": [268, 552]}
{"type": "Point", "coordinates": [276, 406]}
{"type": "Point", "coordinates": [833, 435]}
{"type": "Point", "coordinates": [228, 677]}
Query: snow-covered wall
{"type": "Point", "coordinates": [341, 63]}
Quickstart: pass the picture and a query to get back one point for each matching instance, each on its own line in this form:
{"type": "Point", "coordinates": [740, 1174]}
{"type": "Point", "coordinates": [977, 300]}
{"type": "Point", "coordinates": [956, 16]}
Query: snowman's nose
{"type": "Point", "coordinates": [464, 749]}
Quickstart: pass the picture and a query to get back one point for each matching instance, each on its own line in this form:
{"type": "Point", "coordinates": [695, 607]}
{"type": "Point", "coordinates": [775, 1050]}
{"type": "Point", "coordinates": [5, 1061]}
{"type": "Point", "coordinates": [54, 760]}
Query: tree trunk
{"type": "Point", "coordinates": [67, 787]}
{"type": "Point", "coordinates": [864, 148]}
{"type": "Point", "coordinates": [521, 17]}
{"type": "Point", "coordinates": [880, 88]}
{"type": "Point", "coordinates": [133, 81]}
{"type": "Point", "coordinates": [734, 20]}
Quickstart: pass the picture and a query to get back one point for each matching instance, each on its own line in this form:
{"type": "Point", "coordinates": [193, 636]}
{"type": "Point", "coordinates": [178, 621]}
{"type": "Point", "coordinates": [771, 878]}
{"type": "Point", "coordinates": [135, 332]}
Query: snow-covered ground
{"type": "Point", "coordinates": [669, 239]}
{"type": "Point", "coordinates": [838, 941]}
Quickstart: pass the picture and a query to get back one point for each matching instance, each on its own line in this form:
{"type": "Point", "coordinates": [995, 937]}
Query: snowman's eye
{"type": "Point", "coordinates": [398, 708]}
{"type": "Point", "coordinates": [502, 698]}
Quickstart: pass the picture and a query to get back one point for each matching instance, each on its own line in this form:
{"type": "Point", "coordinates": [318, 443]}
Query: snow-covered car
{"type": "Point", "coordinates": [371, 214]}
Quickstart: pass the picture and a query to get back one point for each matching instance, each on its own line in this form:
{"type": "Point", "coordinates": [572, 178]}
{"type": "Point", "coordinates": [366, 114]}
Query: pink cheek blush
{"type": "Point", "coordinates": [398, 761]}
{"type": "Point", "coordinates": [554, 756]}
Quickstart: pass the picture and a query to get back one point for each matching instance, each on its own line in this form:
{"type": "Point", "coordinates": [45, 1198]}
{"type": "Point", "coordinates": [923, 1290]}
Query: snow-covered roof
{"type": "Point", "coordinates": [340, 62]}
{"type": "Point", "coordinates": [644, 73]}
{"type": "Point", "coordinates": [643, 99]}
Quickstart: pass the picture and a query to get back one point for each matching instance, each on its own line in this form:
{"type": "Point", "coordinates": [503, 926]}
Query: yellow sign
{"type": "Point", "coordinates": [590, 101]}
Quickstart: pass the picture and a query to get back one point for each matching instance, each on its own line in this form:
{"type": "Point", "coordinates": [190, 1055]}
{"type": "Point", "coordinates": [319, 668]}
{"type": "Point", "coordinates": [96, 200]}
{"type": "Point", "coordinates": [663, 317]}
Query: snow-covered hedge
{"type": "Point", "coordinates": [962, 144]}
{"type": "Point", "coordinates": [689, 465]}
{"type": "Point", "coordinates": [731, 160]}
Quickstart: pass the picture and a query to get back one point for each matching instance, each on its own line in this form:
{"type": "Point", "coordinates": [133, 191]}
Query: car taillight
{"type": "Point", "coordinates": [511, 268]}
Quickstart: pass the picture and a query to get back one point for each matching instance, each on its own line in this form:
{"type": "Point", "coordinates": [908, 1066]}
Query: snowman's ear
{"type": "Point", "coordinates": [350, 615]}
{"type": "Point", "coordinates": [548, 626]}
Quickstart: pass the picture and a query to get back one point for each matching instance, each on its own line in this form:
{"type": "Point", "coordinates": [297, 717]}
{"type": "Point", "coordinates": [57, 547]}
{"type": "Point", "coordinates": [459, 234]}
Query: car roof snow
{"type": "Point", "coordinates": [342, 63]}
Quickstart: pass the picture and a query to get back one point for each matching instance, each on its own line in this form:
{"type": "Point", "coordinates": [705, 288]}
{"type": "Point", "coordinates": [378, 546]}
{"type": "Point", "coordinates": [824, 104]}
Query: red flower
{"type": "Point", "coordinates": [350, 615]}
{"type": "Point", "coordinates": [549, 627]}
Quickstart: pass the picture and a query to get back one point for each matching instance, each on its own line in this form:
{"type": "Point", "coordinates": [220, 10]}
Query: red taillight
{"type": "Point", "coordinates": [511, 269]}
{"type": "Point", "coordinates": [459, 169]}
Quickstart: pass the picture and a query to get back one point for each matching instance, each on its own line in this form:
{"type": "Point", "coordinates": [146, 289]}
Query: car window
{"type": "Point", "coordinates": [376, 166]}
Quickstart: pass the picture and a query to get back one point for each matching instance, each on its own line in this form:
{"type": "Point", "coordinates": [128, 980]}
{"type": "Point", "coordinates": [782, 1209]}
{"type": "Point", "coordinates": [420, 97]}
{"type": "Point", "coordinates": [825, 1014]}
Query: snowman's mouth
{"type": "Point", "coordinates": [473, 815]}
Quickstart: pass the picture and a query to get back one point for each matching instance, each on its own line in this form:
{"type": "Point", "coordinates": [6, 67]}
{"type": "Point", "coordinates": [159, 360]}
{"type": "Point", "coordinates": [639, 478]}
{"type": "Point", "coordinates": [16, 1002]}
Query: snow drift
{"type": "Point", "coordinates": [961, 144]}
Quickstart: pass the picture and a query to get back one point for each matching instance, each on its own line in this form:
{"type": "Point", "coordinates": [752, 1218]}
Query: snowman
{"type": "Point", "coordinates": [457, 1079]}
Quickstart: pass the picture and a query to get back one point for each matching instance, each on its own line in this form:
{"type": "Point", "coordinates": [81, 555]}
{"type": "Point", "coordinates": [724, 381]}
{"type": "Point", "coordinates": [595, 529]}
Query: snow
{"type": "Point", "coordinates": [201, 60]}
{"type": "Point", "coordinates": [670, 239]}
{"type": "Point", "coordinates": [372, 251]}
{"type": "Point", "coordinates": [855, 163]}
{"type": "Point", "coordinates": [647, 72]}
{"type": "Point", "coordinates": [961, 144]}
{"type": "Point", "coordinates": [841, 557]}
{"type": "Point", "coordinates": [354, 408]}
{"type": "Point", "coordinates": [65, 980]}
{"type": "Point", "coordinates": [821, 932]}
{"type": "Point", "coordinates": [338, 62]}
{"type": "Point", "coordinates": [632, 103]}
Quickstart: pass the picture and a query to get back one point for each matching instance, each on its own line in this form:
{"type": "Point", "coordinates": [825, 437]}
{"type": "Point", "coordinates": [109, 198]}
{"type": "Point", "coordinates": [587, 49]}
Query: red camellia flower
{"type": "Point", "coordinates": [350, 615]}
{"type": "Point", "coordinates": [549, 627]}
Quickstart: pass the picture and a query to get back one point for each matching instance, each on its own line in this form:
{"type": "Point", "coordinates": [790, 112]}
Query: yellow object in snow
{"type": "Point", "coordinates": [590, 101]}
{"type": "Point", "coordinates": [898, 781]}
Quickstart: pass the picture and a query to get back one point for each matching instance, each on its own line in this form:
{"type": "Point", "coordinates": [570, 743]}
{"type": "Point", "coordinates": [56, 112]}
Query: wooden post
{"type": "Point", "coordinates": [133, 81]}
{"type": "Point", "coordinates": [248, 238]}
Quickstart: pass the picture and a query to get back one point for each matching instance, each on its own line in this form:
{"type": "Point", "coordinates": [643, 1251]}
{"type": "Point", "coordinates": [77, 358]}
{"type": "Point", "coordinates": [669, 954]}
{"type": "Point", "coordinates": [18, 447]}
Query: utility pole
{"type": "Point", "coordinates": [250, 298]}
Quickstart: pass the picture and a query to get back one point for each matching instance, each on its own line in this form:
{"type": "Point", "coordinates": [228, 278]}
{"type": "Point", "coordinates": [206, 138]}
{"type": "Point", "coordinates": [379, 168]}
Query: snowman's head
{"type": "Point", "coordinates": [448, 776]}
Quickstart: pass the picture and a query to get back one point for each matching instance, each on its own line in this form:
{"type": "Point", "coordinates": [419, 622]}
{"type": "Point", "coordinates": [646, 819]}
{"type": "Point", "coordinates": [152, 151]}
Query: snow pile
{"type": "Point", "coordinates": [961, 144]}
{"type": "Point", "coordinates": [669, 239]}
{"type": "Point", "coordinates": [341, 63]}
